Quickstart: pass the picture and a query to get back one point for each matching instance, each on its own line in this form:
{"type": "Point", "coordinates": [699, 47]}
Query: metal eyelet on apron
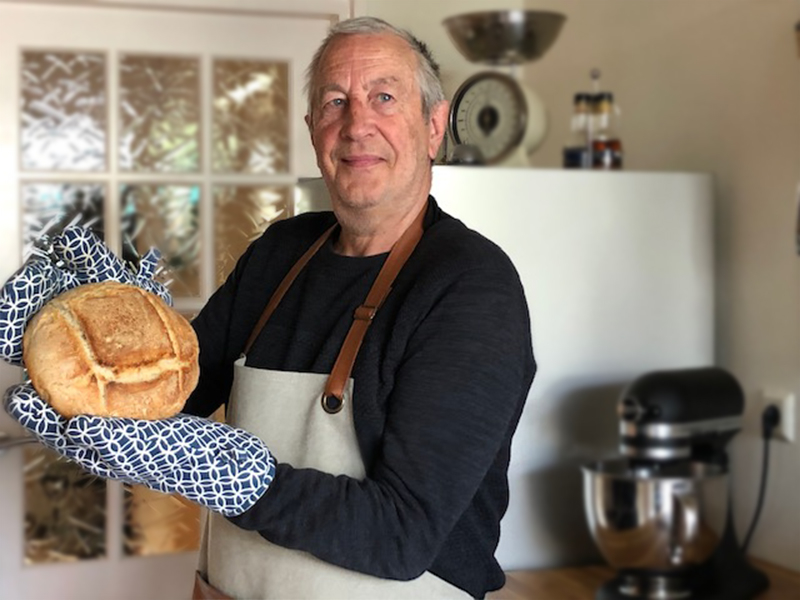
{"type": "Point", "coordinates": [332, 404]}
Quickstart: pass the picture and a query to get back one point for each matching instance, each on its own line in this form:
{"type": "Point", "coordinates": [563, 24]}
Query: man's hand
{"type": "Point", "coordinates": [215, 465]}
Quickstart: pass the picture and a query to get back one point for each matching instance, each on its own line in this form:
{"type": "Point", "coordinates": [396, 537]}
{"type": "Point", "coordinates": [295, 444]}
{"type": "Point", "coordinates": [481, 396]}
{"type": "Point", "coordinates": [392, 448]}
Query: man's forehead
{"type": "Point", "coordinates": [379, 56]}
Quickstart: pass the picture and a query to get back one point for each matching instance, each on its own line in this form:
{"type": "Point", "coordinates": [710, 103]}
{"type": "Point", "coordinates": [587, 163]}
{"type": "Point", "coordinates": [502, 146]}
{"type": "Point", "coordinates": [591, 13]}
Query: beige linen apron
{"type": "Point", "coordinates": [289, 412]}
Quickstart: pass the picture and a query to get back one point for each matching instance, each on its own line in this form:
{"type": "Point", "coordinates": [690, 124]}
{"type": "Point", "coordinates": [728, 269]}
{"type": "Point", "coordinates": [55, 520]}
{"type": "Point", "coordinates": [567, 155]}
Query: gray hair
{"type": "Point", "coordinates": [428, 73]}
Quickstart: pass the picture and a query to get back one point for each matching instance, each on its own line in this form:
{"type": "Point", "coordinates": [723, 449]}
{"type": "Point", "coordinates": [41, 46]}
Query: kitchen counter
{"type": "Point", "coordinates": [580, 583]}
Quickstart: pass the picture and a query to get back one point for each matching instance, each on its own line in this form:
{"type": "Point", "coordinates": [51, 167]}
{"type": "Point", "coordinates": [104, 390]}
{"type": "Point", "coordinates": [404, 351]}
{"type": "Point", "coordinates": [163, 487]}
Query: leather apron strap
{"type": "Point", "coordinates": [284, 286]}
{"type": "Point", "coordinates": [333, 396]}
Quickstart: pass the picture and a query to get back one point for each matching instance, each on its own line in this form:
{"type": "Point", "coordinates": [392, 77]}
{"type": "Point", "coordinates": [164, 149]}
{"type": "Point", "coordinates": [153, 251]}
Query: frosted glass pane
{"type": "Point", "coordinates": [242, 214]}
{"type": "Point", "coordinates": [63, 111]}
{"type": "Point", "coordinates": [49, 207]}
{"type": "Point", "coordinates": [159, 114]}
{"type": "Point", "coordinates": [251, 117]}
{"type": "Point", "coordinates": [158, 523]}
{"type": "Point", "coordinates": [165, 217]}
{"type": "Point", "coordinates": [65, 510]}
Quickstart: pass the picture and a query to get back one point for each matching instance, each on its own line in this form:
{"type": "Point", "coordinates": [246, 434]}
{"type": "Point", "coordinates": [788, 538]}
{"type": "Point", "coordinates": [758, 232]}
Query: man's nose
{"type": "Point", "coordinates": [358, 121]}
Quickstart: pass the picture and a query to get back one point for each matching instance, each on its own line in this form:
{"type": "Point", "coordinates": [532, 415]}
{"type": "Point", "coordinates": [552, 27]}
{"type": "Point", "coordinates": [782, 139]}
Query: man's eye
{"type": "Point", "coordinates": [383, 97]}
{"type": "Point", "coordinates": [337, 102]}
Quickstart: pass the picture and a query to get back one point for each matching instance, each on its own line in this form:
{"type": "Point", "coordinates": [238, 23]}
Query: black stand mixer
{"type": "Point", "coordinates": [661, 515]}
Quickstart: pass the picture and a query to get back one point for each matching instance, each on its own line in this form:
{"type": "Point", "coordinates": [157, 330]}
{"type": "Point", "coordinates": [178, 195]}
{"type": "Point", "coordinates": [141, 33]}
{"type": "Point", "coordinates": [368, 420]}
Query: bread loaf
{"type": "Point", "coordinates": [111, 349]}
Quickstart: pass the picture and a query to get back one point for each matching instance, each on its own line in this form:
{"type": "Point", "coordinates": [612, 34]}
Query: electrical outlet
{"type": "Point", "coordinates": [785, 401]}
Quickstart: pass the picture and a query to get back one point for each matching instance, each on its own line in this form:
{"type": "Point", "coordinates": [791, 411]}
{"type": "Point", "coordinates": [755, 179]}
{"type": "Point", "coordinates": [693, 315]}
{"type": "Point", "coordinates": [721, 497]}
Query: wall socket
{"type": "Point", "coordinates": [785, 401]}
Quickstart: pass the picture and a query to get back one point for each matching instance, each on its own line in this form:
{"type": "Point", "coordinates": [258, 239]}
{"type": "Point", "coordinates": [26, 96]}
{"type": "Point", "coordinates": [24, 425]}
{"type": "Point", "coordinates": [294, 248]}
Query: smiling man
{"type": "Point", "coordinates": [381, 352]}
{"type": "Point", "coordinates": [375, 134]}
{"type": "Point", "coordinates": [389, 370]}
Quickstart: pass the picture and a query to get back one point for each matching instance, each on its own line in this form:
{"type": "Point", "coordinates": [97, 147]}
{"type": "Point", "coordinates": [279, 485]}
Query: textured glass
{"type": "Point", "coordinates": [159, 114]}
{"type": "Point", "coordinates": [63, 114]}
{"type": "Point", "coordinates": [251, 117]}
{"type": "Point", "coordinates": [49, 207]}
{"type": "Point", "coordinates": [158, 523]}
{"type": "Point", "coordinates": [165, 217]}
{"type": "Point", "coordinates": [65, 510]}
{"type": "Point", "coordinates": [242, 214]}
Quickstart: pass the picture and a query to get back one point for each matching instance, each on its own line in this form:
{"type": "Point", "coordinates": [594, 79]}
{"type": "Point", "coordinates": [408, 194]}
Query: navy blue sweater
{"type": "Point", "coordinates": [440, 382]}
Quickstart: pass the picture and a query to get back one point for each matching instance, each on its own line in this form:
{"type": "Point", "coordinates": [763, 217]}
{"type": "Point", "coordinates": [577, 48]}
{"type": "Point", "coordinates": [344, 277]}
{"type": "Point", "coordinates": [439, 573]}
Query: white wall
{"type": "Point", "coordinates": [709, 86]}
{"type": "Point", "coordinates": [713, 86]}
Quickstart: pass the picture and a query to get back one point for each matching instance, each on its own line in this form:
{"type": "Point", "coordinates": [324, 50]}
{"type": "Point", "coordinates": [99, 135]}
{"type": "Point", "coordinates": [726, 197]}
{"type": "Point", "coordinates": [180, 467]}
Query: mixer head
{"type": "Point", "coordinates": [680, 414]}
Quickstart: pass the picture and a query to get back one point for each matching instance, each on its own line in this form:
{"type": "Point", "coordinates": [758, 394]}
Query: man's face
{"type": "Point", "coordinates": [372, 142]}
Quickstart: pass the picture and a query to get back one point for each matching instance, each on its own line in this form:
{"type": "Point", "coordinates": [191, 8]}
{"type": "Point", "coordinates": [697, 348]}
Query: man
{"type": "Point", "coordinates": [441, 376]}
{"type": "Point", "coordinates": [387, 372]}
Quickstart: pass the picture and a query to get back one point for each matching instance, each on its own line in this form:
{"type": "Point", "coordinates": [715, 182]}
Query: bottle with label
{"type": "Point", "coordinates": [577, 150]}
{"type": "Point", "coordinates": [606, 145]}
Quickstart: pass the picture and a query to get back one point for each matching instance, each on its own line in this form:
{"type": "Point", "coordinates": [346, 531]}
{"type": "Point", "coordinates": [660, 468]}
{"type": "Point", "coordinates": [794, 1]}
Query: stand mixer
{"type": "Point", "coordinates": [661, 515]}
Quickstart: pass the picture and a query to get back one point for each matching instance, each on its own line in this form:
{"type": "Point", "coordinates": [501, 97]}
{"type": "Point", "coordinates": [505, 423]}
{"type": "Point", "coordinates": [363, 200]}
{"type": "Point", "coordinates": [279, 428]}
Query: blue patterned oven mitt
{"type": "Point", "coordinates": [215, 465]}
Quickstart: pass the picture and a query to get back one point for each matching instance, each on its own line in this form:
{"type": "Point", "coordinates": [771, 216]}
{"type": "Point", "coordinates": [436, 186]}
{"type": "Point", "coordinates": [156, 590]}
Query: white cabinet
{"type": "Point", "coordinates": [618, 273]}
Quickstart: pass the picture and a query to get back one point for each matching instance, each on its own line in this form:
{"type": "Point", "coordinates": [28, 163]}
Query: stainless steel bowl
{"type": "Point", "coordinates": [651, 519]}
{"type": "Point", "coordinates": [504, 37]}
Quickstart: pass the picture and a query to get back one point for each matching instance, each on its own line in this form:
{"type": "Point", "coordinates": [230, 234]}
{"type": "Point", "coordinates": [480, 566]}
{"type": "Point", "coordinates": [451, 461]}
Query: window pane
{"type": "Point", "coordinates": [242, 214]}
{"type": "Point", "coordinates": [159, 114]}
{"type": "Point", "coordinates": [65, 510]}
{"type": "Point", "coordinates": [63, 115]}
{"type": "Point", "coordinates": [251, 117]}
{"type": "Point", "coordinates": [158, 523]}
{"type": "Point", "coordinates": [49, 207]}
{"type": "Point", "coordinates": [165, 217]}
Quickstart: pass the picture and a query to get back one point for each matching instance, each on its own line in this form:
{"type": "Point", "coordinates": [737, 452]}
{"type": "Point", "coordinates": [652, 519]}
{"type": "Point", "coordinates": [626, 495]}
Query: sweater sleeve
{"type": "Point", "coordinates": [213, 328]}
{"type": "Point", "coordinates": [456, 399]}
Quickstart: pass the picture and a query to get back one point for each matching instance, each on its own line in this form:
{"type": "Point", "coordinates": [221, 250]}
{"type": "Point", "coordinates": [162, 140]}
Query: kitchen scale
{"type": "Point", "coordinates": [495, 119]}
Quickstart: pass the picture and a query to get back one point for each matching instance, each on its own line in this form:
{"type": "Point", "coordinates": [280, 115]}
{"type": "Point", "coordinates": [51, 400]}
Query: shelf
{"type": "Point", "coordinates": [580, 583]}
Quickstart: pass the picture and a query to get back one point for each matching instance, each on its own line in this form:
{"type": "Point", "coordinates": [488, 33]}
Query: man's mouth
{"type": "Point", "coordinates": [361, 161]}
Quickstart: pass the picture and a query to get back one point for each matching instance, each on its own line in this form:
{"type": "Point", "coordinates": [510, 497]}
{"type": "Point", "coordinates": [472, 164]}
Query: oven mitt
{"type": "Point", "coordinates": [213, 464]}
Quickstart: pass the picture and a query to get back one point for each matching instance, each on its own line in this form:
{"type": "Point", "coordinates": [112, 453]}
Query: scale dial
{"type": "Point", "coordinates": [489, 111]}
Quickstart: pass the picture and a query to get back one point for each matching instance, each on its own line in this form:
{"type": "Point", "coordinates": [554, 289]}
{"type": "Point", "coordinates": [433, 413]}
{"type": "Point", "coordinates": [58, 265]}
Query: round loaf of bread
{"type": "Point", "coordinates": [112, 350]}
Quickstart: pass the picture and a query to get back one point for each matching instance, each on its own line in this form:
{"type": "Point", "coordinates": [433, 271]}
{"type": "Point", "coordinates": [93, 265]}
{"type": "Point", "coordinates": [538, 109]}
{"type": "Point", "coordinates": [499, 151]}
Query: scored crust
{"type": "Point", "coordinates": [111, 349]}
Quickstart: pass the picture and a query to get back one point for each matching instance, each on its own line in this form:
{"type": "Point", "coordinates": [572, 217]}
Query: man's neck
{"type": "Point", "coordinates": [362, 236]}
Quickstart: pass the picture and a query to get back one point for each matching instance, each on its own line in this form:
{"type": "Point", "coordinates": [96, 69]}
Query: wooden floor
{"type": "Point", "coordinates": [580, 583]}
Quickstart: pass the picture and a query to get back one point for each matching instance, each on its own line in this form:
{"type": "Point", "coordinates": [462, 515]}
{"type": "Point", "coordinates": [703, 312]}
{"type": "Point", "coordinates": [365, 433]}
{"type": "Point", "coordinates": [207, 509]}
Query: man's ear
{"type": "Point", "coordinates": [438, 126]}
{"type": "Point", "coordinates": [310, 124]}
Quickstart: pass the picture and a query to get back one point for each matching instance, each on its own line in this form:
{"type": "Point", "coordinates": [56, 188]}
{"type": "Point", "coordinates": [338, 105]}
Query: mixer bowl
{"type": "Point", "coordinates": [658, 518]}
{"type": "Point", "coordinates": [504, 37]}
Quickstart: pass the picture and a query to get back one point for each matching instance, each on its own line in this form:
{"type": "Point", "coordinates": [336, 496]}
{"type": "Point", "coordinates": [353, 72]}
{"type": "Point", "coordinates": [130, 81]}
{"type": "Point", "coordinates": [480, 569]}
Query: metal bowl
{"type": "Point", "coordinates": [504, 37]}
{"type": "Point", "coordinates": [666, 520]}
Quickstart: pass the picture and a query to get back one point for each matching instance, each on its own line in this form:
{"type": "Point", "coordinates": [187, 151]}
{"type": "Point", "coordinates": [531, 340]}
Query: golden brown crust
{"type": "Point", "coordinates": [111, 349]}
{"type": "Point", "coordinates": [123, 330]}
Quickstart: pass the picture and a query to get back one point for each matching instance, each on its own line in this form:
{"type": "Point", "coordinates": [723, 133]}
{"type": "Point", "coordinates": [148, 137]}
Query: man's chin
{"type": "Point", "coordinates": [357, 196]}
